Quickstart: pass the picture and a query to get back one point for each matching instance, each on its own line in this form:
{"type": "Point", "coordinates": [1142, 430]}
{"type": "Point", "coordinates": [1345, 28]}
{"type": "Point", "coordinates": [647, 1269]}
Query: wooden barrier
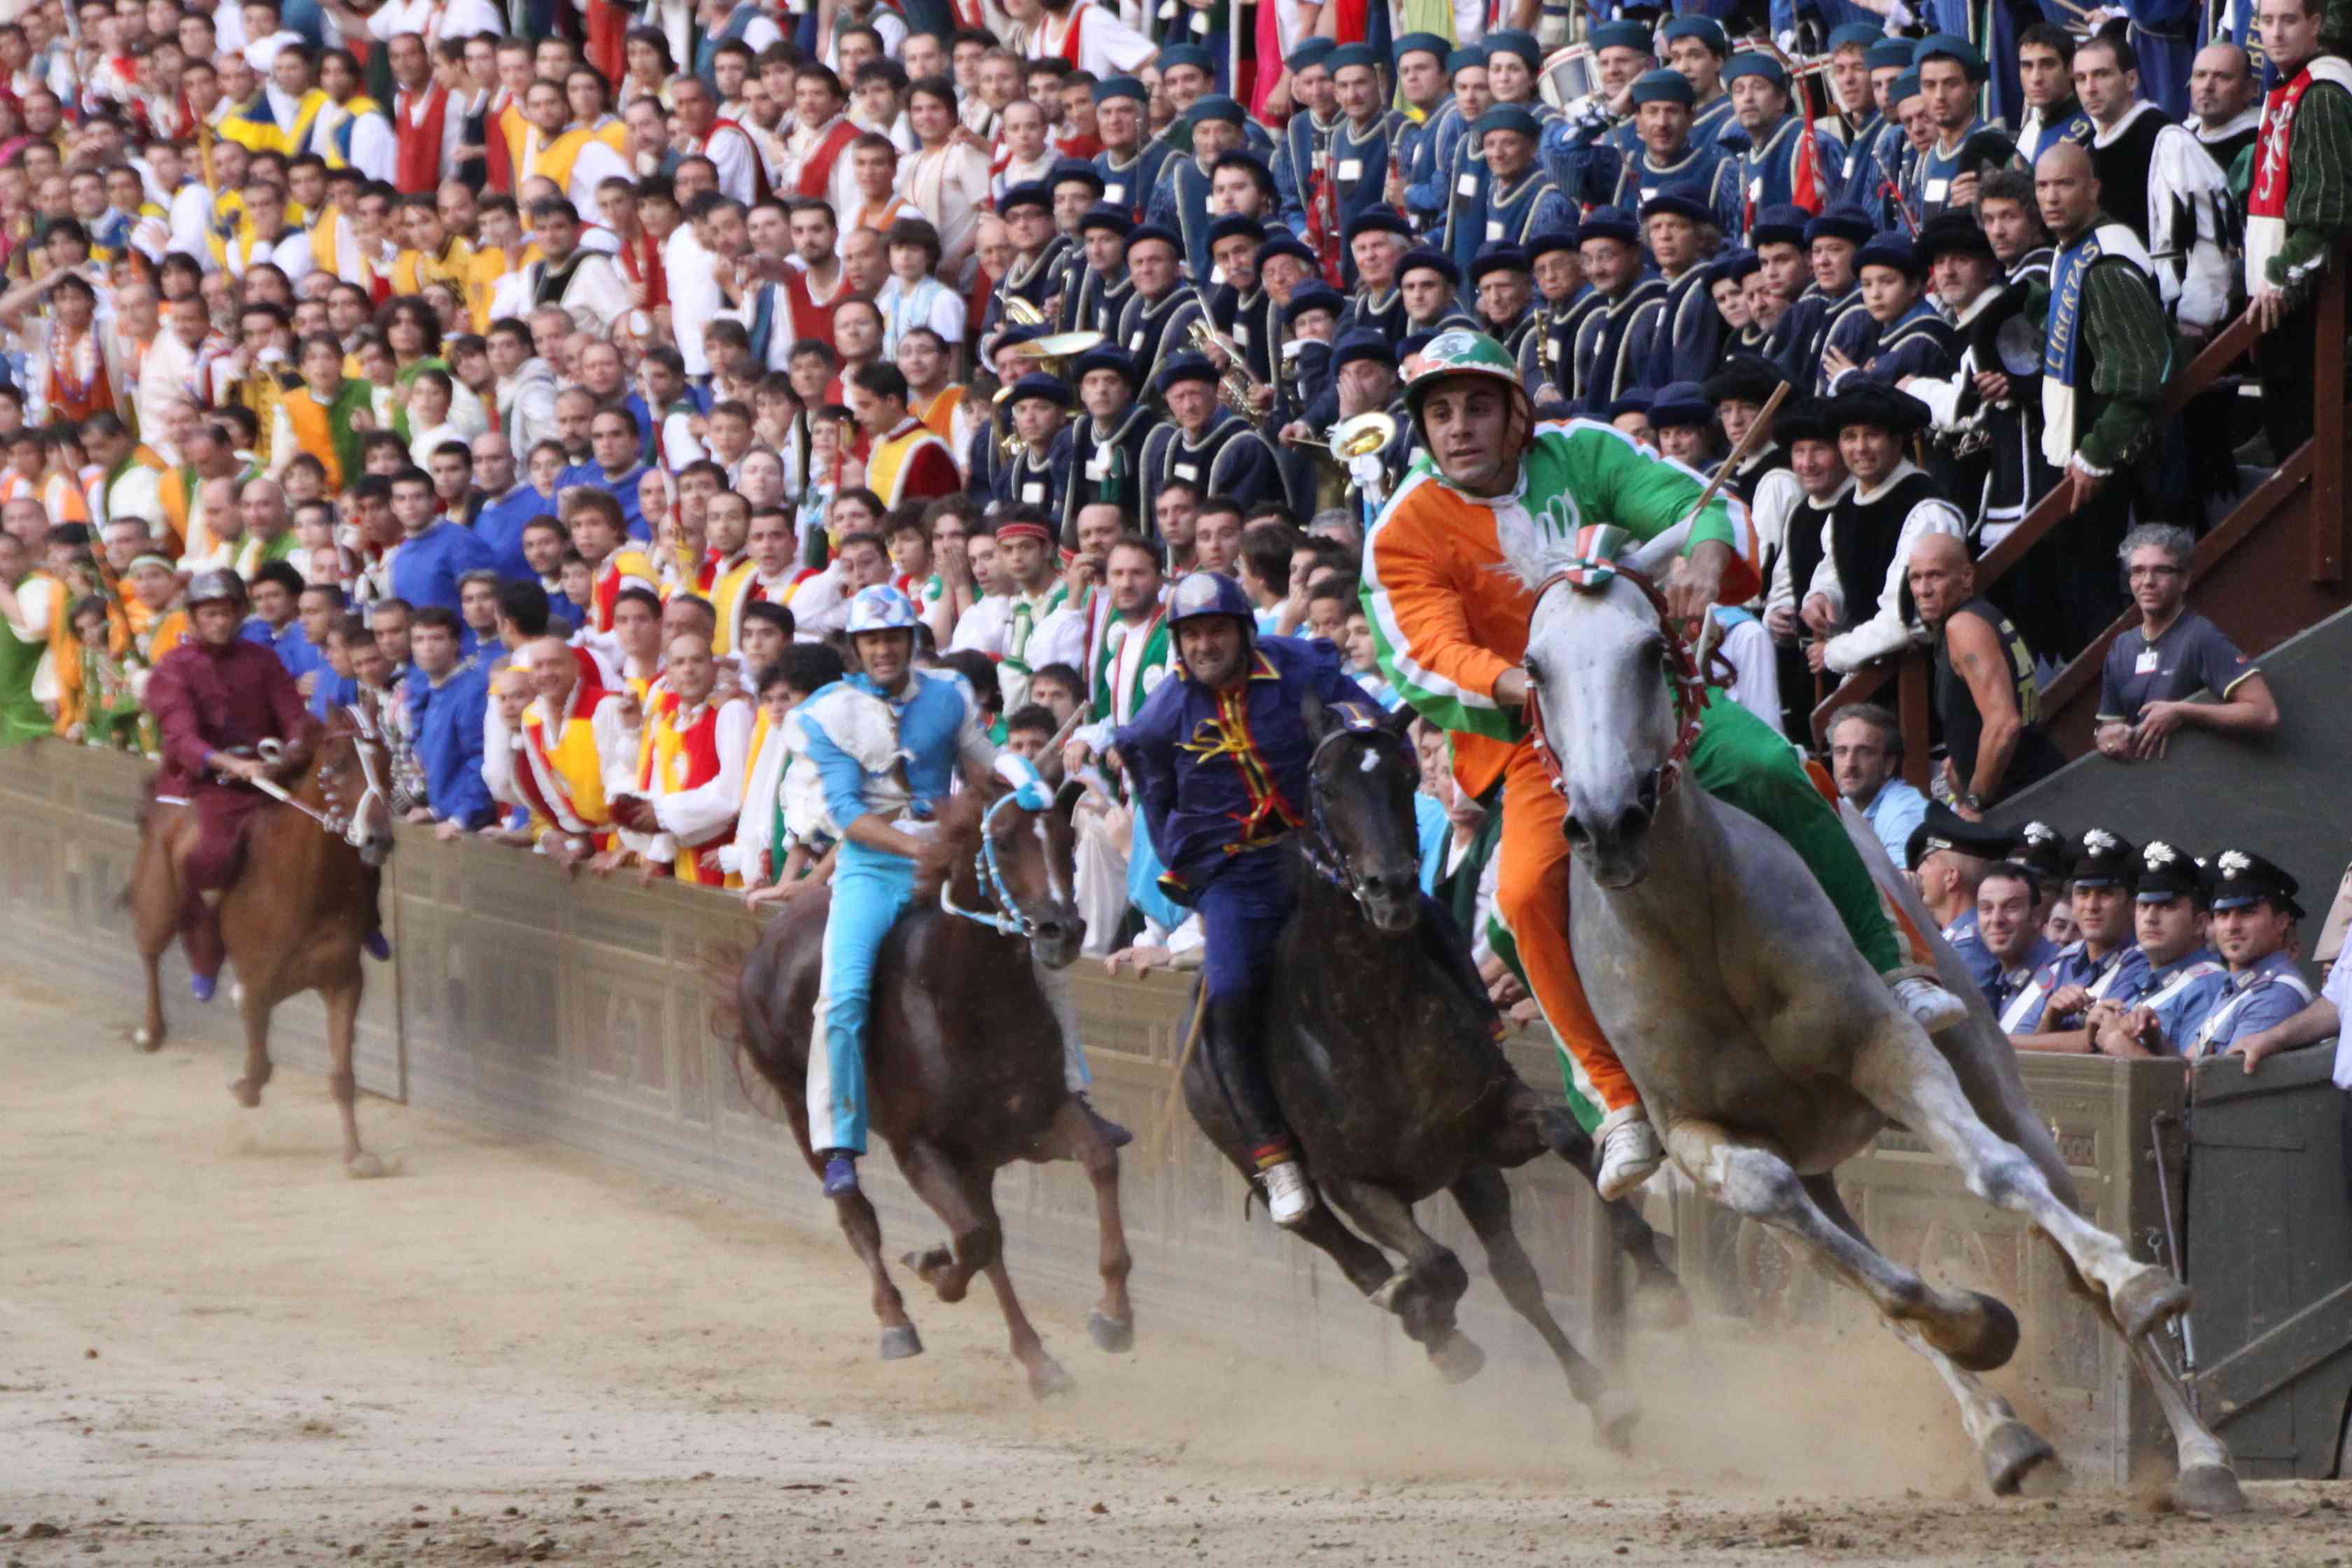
{"type": "Point", "coordinates": [580, 1011]}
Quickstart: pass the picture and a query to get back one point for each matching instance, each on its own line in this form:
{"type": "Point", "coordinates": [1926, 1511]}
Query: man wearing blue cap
{"type": "Point", "coordinates": [1204, 444]}
{"type": "Point", "coordinates": [1094, 286]}
{"type": "Point", "coordinates": [1236, 300]}
{"type": "Point", "coordinates": [1688, 343]}
{"type": "Point", "coordinates": [1363, 381]}
{"type": "Point", "coordinates": [1903, 336]}
{"type": "Point", "coordinates": [1038, 473]}
{"type": "Point", "coordinates": [1614, 342]}
{"type": "Point", "coordinates": [1422, 95]}
{"type": "Point", "coordinates": [1159, 313]}
{"type": "Point", "coordinates": [1951, 73]}
{"type": "Point", "coordinates": [1377, 243]}
{"type": "Point", "coordinates": [1875, 152]}
{"type": "Point", "coordinates": [1785, 160]}
{"type": "Point", "coordinates": [1428, 195]}
{"type": "Point", "coordinates": [1697, 46]}
{"type": "Point", "coordinates": [1038, 247]}
{"type": "Point", "coordinates": [1517, 198]}
{"type": "Point", "coordinates": [1431, 286]}
{"type": "Point", "coordinates": [1300, 152]}
{"type": "Point", "coordinates": [1357, 161]}
{"type": "Point", "coordinates": [1562, 299]}
{"type": "Point", "coordinates": [1180, 202]}
{"type": "Point", "coordinates": [1665, 154]}
{"type": "Point", "coordinates": [1502, 282]}
{"type": "Point", "coordinates": [1831, 303]}
{"type": "Point", "coordinates": [1851, 103]}
{"type": "Point", "coordinates": [1514, 58]}
{"type": "Point", "coordinates": [1106, 445]}
{"type": "Point", "coordinates": [1130, 166]}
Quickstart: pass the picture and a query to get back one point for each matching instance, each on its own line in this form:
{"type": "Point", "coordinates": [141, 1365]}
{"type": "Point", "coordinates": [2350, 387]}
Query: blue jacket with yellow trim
{"type": "Point", "coordinates": [1220, 774]}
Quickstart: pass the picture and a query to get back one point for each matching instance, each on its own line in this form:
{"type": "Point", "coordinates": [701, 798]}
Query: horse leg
{"type": "Point", "coordinates": [1665, 1303]}
{"type": "Point", "coordinates": [1976, 1330]}
{"type": "Point", "coordinates": [974, 1238]}
{"type": "Point", "coordinates": [1423, 1292]}
{"type": "Point", "coordinates": [342, 1020]}
{"type": "Point", "coordinates": [1484, 1199]}
{"type": "Point", "coordinates": [1112, 1323]}
{"type": "Point", "coordinates": [2015, 1457]}
{"type": "Point", "coordinates": [1901, 1074]}
{"type": "Point", "coordinates": [254, 1005]}
{"type": "Point", "coordinates": [1047, 1377]}
{"type": "Point", "coordinates": [154, 918]}
{"type": "Point", "coordinates": [2205, 1482]}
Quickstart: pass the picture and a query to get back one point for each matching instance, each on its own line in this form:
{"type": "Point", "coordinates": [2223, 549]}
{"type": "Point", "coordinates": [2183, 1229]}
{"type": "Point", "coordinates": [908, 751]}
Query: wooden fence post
{"type": "Point", "coordinates": [1913, 707]}
{"type": "Point", "coordinates": [2328, 519]}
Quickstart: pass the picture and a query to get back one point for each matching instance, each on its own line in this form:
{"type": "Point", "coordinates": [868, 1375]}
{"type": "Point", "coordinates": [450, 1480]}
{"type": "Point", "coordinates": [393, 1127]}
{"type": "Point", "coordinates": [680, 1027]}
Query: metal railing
{"type": "Point", "coordinates": [2319, 462]}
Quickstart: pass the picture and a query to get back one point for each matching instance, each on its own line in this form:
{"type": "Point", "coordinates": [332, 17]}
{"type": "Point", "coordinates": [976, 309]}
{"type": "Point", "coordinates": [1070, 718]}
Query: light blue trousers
{"type": "Point", "coordinates": [871, 887]}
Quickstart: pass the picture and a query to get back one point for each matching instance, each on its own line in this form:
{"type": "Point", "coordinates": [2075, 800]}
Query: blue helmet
{"type": "Point", "coordinates": [1198, 594]}
{"type": "Point", "coordinates": [882, 608]}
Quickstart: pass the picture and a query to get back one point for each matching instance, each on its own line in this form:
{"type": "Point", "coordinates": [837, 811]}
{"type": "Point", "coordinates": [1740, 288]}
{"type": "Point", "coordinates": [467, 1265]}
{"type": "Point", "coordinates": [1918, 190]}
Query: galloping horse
{"type": "Point", "coordinates": [294, 919]}
{"type": "Point", "coordinates": [1766, 1049]}
{"type": "Point", "coordinates": [1388, 1076]}
{"type": "Point", "coordinates": [964, 1056]}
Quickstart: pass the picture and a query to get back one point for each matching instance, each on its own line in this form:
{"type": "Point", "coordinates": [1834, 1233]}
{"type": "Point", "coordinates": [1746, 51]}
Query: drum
{"type": "Point", "coordinates": [1567, 76]}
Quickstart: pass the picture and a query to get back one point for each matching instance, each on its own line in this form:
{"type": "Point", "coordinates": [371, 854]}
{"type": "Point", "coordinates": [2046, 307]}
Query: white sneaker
{"type": "Point", "coordinates": [1933, 1007]}
{"type": "Point", "coordinates": [1289, 1195]}
{"type": "Point", "coordinates": [1630, 1152]}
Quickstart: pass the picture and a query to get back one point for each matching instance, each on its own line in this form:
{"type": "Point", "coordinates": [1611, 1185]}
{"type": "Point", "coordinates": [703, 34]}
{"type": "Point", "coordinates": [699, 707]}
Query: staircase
{"type": "Point", "coordinates": [2273, 566]}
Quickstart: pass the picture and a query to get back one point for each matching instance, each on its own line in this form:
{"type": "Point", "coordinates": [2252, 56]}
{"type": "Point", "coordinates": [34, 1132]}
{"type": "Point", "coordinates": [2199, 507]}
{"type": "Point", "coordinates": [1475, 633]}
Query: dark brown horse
{"type": "Point", "coordinates": [303, 902]}
{"type": "Point", "coordinates": [1388, 1076]}
{"type": "Point", "coordinates": [963, 1058]}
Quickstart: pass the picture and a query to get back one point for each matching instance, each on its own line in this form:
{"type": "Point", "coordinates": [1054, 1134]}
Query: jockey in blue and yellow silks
{"type": "Point", "coordinates": [1219, 761]}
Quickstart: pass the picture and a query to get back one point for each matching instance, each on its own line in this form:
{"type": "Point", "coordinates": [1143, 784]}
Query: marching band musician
{"type": "Point", "coordinates": [1664, 152]}
{"type": "Point", "coordinates": [1785, 159]}
{"type": "Point", "coordinates": [1038, 248]}
{"type": "Point", "coordinates": [1363, 381]}
{"type": "Point", "coordinates": [1689, 340]}
{"type": "Point", "coordinates": [1106, 445]}
{"type": "Point", "coordinates": [1420, 61]}
{"type": "Point", "coordinates": [1950, 74]}
{"type": "Point", "coordinates": [1306, 141]}
{"type": "Point", "coordinates": [1614, 343]}
{"type": "Point", "coordinates": [1157, 321]}
{"type": "Point", "coordinates": [1563, 300]}
{"type": "Point", "coordinates": [1502, 283]}
{"type": "Point", "coordinates": [1430, 191]}
{"type": "Point", "coordinates": [1102, 286]}
{"type": "Point", "coordinates": [1376, 243]}
{"type": "Point", "coordinates": [985, 454]}
{"type": "Point", "coordinates": [1698, 49]}
{"type": "Point", "coordinates": [1430, 285]}
{"type": "Point", "coordinates": [1284, 265]}
{"type": "Point", "coordinates": [1130, 166]}
{"type": "Point", "coordinates": [1904, 336]}
{"type": "Point", "coordinates": [1186, 75]}
{"type": "Point", "coordinates": [1038, 472]}
{"type": "Point", "coordinates": [1832, 242]}
{"type": "Point", "coordinates": [1361, 145]}
{"type": "Point", "coordinates": [1237, 304]}
{"type": "Point", "coordinates": [1873, 153]}
{"type": "Point", "coordinates": [1520, 199]}
{"type": "Point", "coordinates": [1205, 444]}
{"type": "Point", "coordinates": [1181, 203]}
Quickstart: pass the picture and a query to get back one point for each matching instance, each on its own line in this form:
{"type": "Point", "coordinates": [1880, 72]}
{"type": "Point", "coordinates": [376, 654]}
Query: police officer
{"type": "Point", "coordinates": [2048, 1014]}
{"type": "Point", "coordinates": [2172, 978]}
{"type": "Point", "coordinates": [1219, 759]}
{"type": "Point", "coordinates": [1948, 856]}
{"type": "Point", "coordinates": [2255, 913]}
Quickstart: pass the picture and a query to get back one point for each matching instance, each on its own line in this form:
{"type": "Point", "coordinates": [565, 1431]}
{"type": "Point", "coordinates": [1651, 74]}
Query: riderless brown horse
{"type": "Point", "coordinates": [963, 1054]}
{"type": "Point", "coordinates": [303, 902]}
{"type": "Point", "coordinates": [1386, 1072]}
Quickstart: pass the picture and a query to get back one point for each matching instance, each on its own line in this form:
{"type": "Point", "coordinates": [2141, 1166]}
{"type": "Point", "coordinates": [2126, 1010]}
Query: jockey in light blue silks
{"type": "Point", "coordinates": [887, 743]}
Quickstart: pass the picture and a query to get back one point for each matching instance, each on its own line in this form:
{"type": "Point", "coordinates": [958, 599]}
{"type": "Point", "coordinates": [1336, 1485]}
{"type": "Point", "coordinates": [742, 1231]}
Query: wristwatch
{"type": "Point", "coordinates": [1973, 801]}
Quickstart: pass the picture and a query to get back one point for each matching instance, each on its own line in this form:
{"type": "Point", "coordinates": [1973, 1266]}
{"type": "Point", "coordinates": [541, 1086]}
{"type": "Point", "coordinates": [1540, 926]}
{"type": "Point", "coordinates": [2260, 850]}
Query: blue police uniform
{"type": "Point", "coordinates": [2271, 992]}
{"type": "Point", "coordinates": [2180, 994]}
{"type": "Point", "coordinates": [425, 566]}
{"type": "Point", "coordinates": [448, 719]}
{"type": "Point", "coordinates": [939, 728]}
{"type": "Point", "coordinates": [2027, 1012]}
{"type": "Point", "coordinates": [1974, 956]}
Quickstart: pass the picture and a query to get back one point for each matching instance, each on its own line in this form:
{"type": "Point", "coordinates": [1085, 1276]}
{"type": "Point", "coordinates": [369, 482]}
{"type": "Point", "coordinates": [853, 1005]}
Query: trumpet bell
{"type": "Point", "coordinates": [1362, 436]}
{"type": "Point", "coordinates": [1058, 345]}
{"type": "Point", "coordinates": [1022, 313]}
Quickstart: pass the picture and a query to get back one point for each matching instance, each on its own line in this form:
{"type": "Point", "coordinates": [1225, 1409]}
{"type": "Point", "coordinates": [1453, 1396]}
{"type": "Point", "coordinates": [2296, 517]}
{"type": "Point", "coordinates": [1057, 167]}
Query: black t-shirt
{"type": "Point", "coordinates": [2192, 656]}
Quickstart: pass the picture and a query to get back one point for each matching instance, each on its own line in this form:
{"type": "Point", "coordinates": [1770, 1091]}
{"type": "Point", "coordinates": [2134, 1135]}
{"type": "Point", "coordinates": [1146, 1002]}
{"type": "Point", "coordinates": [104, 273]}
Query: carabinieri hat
{"type": "Point", "coordinates": [2103, 859]}
{"type": "Point", "coordinates": [1497, 257]}
{"type": "Point", "coordinates": [2166, 873]}
{"type": "Point", "coordinates": [2241, 878]}
{"type": "Point", "coordinates": [1436, 261]}
{"type": "Point", "coordinates": [1943, 828]}
{"type": "Point", "coordinates": [1663, 86]}
{"type": "Point", "coordinates": [1611, 223]}
{"type": "Point", "coordinates": [2040, 846]}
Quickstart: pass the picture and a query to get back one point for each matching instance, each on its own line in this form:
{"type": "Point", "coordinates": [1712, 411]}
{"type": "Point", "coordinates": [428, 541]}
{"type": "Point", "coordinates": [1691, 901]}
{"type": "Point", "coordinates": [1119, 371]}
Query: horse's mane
{"type": "Point", "coordinates": [954, 841]}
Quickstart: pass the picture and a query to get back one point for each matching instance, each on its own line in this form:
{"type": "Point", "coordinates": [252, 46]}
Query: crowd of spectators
{"type": "Point", "coordinates": [554, 377]}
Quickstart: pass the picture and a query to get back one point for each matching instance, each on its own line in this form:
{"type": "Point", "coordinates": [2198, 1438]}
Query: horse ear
{"type": "Point", "coordinates": [1398, 722]}
{"type": "Point", "coordinates": [1652, 559]}
{"type": "Point", "coordinates": [1318, 722]}
{"type": "Point", "coordinates": [1067, 798]}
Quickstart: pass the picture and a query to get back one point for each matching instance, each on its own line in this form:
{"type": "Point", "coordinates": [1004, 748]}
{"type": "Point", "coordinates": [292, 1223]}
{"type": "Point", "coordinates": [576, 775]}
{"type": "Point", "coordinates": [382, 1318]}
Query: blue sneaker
{"type": "Point", "coordinates": [202, 986]}
{"type": "Point", "coordinates": [841, 1174]}
{"type": "Point", "coordinates": [377, 946]}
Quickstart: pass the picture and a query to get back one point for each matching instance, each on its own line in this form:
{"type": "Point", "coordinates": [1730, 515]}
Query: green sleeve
{"type": "Point", "coordinates": [2319, 197]}
{"type": "Point", "coordinates": [2131, 350]}
{"type": "Point", "coordinates": [1620, 483]}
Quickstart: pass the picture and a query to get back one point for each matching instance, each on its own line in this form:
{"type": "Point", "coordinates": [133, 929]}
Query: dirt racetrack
{"type": "Point", "coordinates": [216, 1348]}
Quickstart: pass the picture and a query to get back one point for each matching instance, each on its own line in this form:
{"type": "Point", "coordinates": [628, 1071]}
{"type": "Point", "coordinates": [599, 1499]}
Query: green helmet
{"type": "Point", "coordinates": [1460, 352]}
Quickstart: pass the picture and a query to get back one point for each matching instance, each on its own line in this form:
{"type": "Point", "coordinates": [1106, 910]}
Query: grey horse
{"type": "Point", "coordinates": [1766, 1050]}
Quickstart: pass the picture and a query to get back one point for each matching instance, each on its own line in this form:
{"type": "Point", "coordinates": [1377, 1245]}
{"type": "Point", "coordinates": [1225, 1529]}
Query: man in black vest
{"type": "Point", "coordinates": [1106, 443]}
{"type": "Point", "coordinates": [1986, 693]}
{"type": "Point", "coordinates": [1857, 603]}
{"type": "Point", "coordinates": [1205, 444]}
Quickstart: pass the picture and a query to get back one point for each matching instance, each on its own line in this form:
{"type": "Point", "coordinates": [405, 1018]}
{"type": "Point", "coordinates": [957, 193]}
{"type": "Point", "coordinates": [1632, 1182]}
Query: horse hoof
{"type": "Point", "coordinates": [1385, 1295]}
{"type": "Point", "coordinates": [365, 1167]}
{"type": "Point", "coordinates": [1457, 1358]}
{"type": "Point", "coordinates": [1110, 1336]}
{"type": "Point", "coordinates": [1048, 1379]}
{"type": "Point", "coordinates": [147, 1039]}
{"type": "Point", "coordinates": [1994, 1344]}
{"type": "Point", "coordinates": [2016, 1458]}
{"type": "Point", "coordinates": [246, 1093]}
{"type": "Point", "coordinates": [2208, 1489]}
{"type": "Point", "coordinates": [1614, 1416]}
{"type": "Point", "coordinates": [2152, 1299]}
{"type": "Point", "coordinates": [900, 1342]}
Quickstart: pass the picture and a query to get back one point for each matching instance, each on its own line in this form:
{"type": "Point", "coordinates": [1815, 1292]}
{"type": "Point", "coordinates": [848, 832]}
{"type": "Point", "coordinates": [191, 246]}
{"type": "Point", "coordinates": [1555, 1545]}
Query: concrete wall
{"type": "Point", "coordinates": [578, 1011]}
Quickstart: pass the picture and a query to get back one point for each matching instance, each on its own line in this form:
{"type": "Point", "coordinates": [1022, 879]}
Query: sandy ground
{"type": "Point", "coordinates": [215, 1348]}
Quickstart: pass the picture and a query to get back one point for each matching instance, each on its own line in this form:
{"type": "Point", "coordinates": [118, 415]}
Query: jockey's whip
{"type": "Point", "coordinates": [1183, 1060]}
{"type": "Point", "coordinates": [1707, 629]}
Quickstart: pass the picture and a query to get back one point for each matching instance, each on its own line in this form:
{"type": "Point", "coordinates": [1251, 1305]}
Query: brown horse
{"type": "Point", "coordinates": [303, 902]}
{"type": "Point", "coordinates": [964, 1056]}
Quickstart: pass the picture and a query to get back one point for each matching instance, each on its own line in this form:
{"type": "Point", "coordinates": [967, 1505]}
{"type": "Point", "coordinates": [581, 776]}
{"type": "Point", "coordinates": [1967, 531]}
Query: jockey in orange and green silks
{"type": "Point", "coordinates": [1450, 621]}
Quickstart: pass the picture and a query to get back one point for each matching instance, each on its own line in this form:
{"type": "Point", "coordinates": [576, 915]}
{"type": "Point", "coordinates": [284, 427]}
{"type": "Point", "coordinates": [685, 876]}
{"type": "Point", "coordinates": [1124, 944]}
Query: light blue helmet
{"type": "Point", "coordinates": [881, 608]}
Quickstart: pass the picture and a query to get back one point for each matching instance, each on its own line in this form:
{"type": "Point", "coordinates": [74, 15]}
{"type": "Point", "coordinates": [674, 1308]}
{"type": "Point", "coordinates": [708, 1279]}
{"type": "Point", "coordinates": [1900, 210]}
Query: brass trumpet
{"type": "Point", "coordinates": [1237, 389]}
{"type": "Point", "coordinates": [1051, 352]}
{"type": "Point", "coordinates": [1022, 313]}
{"type": "Point", "coordinates": [1358, 437]}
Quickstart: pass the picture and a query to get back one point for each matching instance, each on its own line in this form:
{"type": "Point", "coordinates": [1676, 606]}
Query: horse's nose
{"type": "Point", "coordinates": [1630, 822]}
{"type": "Point", "coordinates": [1579, 837]}
{"type": "Point", "coordinates": [1653, 784]}
{"type": "Point", "coordinates": [1391, 886]}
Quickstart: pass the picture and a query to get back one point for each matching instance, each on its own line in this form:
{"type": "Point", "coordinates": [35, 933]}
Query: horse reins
{"type": "Point", "coordinates": [1006, 919]}
{"type": "Point", "coordinates": [1322, 855]}
{"type": "Point", "coordinates": [332, 820]}
{"type": "Point", "coordinates": [1690, 682]}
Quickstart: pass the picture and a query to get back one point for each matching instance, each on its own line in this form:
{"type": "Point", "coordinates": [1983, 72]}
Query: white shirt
{"type": "Point", "coordinates": [1884, 632]}
{"type": "Point", "coordinates": [1106, 46]}
{"type": "Point", "coordinates": [926, 302]}
{"type": "Point", "coordinates": [951, 184]}
{"type": "Point", "coordinates": [693, 296]}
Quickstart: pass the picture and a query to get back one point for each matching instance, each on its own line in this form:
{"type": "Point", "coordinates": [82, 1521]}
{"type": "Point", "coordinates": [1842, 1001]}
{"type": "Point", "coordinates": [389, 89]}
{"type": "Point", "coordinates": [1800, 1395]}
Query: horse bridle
{"type": "Point", "coordinates": [1322, 853]}
{"type": "Point", "coordinates": [1006, 919]}
{"type": "Point", "coordinates": [332, 820]}
{"type": "Point", "coordinates": [1690, 682]}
